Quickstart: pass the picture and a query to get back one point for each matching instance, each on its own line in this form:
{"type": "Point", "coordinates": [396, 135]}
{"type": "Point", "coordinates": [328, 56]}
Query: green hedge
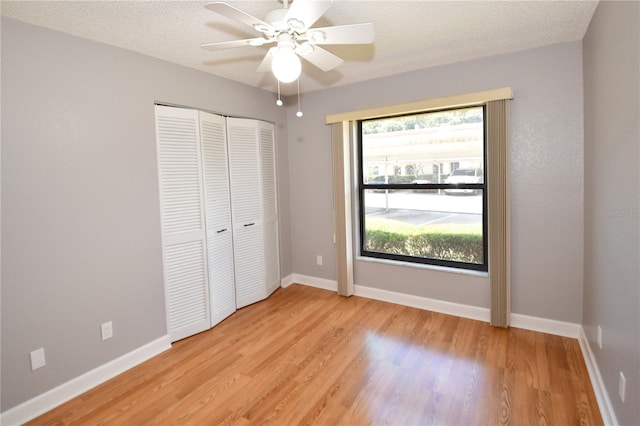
{"type": "Point", "coordinates": [458, 244]}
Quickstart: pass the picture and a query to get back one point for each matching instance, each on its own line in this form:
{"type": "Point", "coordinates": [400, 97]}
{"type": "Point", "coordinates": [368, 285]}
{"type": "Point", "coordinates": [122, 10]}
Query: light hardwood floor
{"type": "Point", "coordinates": [309, 356]}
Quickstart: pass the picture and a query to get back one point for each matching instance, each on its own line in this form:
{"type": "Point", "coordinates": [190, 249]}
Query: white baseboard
{"type": "Point", "coordinates": [287, 281]}
{"type": "Point", "coordinates": [465, 311]}
{"type": "Point", "coordinates": [310, 282]}
{"type": "Point", "coordinates": [544, 325]}
{"type": "Point", "coordinates": [449, 308]}
{"type": "Point", "coordinates": [34, 407]}
{"type": "Point", "coordinates": [604, 403]}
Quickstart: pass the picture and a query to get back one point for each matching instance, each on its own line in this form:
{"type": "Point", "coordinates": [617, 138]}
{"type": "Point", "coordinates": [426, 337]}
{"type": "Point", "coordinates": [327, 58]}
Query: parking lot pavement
{"type": "Point", "coordinates": [424, 202]}
{"type": "Point", "coordinates": [424, 208]}
{"type": "Point", "coordinates": [422, 217]}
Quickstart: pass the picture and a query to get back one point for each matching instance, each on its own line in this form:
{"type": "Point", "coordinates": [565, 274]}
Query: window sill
{"type": "Point", "coordinates": [424, 266]}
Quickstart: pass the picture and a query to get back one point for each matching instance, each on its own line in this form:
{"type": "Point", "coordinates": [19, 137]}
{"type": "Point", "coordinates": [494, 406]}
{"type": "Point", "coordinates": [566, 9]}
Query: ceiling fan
{"type": "Point", "coordinates": [290, 28]}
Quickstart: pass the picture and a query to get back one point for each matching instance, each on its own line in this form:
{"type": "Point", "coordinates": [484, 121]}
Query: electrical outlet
{"type": "Point", "coordinates": [319, 260]}
{"type": "Point", "coordinates": [600, 337]}
{"type": "Point", "coordinates": [622, 386]}
{"type": "Point", "coordinates": [107, 330]}
{"type": "Point", "coordinates": [37, 359]}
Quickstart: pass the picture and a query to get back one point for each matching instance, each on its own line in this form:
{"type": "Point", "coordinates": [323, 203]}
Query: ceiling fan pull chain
{"type": "Point", "coordinates": [279, 101]}
{"type": "Point", "coordinates": [299, 113]}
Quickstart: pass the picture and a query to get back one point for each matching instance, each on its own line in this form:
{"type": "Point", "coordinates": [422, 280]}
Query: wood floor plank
{"type": "Point", "coordinates": [310, 357]}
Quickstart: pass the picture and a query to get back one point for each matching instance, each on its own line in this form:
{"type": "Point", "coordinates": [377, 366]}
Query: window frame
{"type": "Point", "coordinates": [362, 187]}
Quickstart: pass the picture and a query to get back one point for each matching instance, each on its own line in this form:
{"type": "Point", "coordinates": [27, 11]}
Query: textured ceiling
{"type": "Point", "coordinates": [410, 35]}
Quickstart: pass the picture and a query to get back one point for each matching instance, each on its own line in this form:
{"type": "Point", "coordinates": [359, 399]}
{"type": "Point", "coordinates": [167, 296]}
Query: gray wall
{"type": "Point", "coordinates": [547, 202]}
{"type": "Point", "coordinates": [612, 203]}
{"type": "Point", "coordinates": [80, 208]}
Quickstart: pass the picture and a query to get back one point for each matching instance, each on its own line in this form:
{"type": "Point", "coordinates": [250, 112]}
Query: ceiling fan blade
{"type": "Point", "coordinates": [229, 11]}
{"type": "Point", "coordinates": [322, 59]}
{"type": "Point", "coordinates": [344, 34]}
{"type": "Point", "coordinates": [307, 11]}
{"type": "Point", "coordinates": [235, 43]}
{"type": "Point", "coordinates": [265, 65]}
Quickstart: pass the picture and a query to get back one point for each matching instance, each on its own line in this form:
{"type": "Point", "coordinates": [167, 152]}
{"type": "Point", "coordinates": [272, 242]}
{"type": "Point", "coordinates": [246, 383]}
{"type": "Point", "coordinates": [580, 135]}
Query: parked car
{"type": "Point", "coordinates": [422, 180]}
{"type": "Point", "coordinates": [390, 180]}
{"type": "Point", "coordinates": [384, 180]}
{"type": "Point", "coordinates": [472, 175]}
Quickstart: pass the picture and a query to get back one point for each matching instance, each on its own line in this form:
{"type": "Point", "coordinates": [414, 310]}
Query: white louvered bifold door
{"type": "Point", "coordinates": [218, 216]}
{"type": "Point", "coordinates": [246, 206]}
{"type": "Point", "coordinates": [269, 206]}
{"type": "Point", "coordinates": [183, 224]}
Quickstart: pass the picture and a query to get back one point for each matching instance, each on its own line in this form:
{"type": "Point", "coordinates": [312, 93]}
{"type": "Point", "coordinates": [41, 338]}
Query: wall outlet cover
{"type": "Point", "coordinates": [107, 330]}
{"type": "Point", "coordinates": [37, 359]}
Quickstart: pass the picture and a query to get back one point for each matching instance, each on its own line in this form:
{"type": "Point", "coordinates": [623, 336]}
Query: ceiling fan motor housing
{"type": "Point", "coordinates": [277, 19]}
{"type": "Point", "coordinates": [291, 29]}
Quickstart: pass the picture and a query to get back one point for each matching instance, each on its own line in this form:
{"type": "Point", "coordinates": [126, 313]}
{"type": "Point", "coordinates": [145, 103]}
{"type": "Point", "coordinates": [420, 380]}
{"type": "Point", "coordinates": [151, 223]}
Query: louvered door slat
{"type": "Point", "coordinates": [221, 276]}
{"type": "Point", "coordinates": [269, 206]}
{"type": "Point", "coordinates": [214, 151]}
{"type": "Point", "coordinates": [218, 216]}
{"type": "Point", "coordinates": [246, 208]}
{"type": "Point", "coordinates": [178, 162]}
{"type": "Point", "coordinates": [268, 163]}
{"type": "Point", "coordinates": [271, 256]}
{"type": "Point", "coordinates": [249, 270]}
{"type": "Point", "coordinates": [244, 173]}
{"type": "Point", "coordinates": [182, 218]}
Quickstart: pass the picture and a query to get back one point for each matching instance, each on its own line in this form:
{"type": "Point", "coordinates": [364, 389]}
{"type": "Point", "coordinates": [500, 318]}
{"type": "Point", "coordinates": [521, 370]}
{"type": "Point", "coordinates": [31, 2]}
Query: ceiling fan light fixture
{"type": "Point", "coordinates": [286, 66]}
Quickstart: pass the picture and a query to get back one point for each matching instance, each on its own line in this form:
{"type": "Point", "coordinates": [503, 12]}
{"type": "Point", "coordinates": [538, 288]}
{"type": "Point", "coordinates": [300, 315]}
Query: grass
{"type": "Point", "coordinates": [398, 227]}
{"type": "Point", "coordinates": [448, 241]}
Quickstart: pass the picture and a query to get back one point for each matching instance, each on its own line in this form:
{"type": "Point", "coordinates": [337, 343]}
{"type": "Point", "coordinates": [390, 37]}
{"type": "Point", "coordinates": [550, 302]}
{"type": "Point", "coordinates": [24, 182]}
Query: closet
{"type": "Point", "coordinates": [219, 216]}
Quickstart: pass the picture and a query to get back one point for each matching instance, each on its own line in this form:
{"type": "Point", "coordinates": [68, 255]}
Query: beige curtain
{"type": "Point", "coordinates": [497, 175]}
{"type": "Point", "coordinates": [340, 151]}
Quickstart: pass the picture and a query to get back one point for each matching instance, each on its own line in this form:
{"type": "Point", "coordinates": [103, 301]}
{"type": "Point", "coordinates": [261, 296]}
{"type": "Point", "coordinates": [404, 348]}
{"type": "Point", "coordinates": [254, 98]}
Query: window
{"type": "Point", "coordinates": [435, 218]}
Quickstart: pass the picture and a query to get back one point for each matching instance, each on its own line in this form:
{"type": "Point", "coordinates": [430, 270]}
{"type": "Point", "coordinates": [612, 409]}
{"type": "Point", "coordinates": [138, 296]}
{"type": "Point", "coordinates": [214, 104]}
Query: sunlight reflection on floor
{"type": "Point", "coordinates": [406, 381]}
